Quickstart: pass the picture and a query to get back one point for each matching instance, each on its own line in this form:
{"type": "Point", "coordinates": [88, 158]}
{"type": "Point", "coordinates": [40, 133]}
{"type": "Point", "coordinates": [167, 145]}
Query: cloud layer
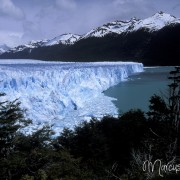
{"type": "Point", "coordinates": [44, 19]}
{"type": "Point", "coordinates": [8, 9]}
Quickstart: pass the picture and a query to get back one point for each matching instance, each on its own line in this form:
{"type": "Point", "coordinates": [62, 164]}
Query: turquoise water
{"type": "Point", "coordinates": [137, 90]}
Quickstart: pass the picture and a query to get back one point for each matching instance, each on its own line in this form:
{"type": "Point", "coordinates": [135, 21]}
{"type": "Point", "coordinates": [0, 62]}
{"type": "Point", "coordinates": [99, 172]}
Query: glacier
{"type": "Point", "coordinates": [62, 94]}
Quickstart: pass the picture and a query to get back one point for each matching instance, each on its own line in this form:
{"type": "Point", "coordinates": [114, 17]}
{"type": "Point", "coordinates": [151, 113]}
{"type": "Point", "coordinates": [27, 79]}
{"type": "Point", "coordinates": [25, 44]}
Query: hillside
{"type": "Point", "coordinates": [152, 41]}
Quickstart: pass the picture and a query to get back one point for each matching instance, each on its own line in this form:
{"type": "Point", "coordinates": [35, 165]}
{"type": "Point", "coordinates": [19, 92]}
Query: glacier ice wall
{"type": "Point", "coordinates": [63, 94]}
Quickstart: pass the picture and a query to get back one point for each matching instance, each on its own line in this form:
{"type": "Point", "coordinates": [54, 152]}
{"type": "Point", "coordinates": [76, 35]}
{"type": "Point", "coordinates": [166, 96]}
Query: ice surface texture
{"type": "Point", "coordinates": [63, 94]}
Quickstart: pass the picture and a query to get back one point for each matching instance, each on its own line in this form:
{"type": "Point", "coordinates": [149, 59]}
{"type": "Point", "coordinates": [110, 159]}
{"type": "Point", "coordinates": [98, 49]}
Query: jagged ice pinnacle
{"type": "Point", "coordinates": [63, 94]}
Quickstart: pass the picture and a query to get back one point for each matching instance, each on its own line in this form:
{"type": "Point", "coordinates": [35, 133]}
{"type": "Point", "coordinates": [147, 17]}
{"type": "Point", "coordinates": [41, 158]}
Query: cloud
{"type": "Point", "coordinates": [66, 4]}
{"type": "Point", "coordinates": [7, 8]}
{"type": "Point", "coordinates": [45, 19]}
{"type": "Point", "coordinates": [10, 38]}
{"type": "Point", "coordinates": [32, 30]}
{"type": "Point", "coordinates": [133, 8]}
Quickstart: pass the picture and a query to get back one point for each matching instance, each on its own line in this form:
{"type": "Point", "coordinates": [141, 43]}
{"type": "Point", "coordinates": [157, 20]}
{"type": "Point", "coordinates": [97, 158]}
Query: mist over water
{"type": "Point", "coordinates": [137, 90]}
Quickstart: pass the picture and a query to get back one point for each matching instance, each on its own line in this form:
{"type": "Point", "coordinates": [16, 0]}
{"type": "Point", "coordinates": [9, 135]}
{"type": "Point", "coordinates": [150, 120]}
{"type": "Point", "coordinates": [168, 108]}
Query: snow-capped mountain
{"type": "Point", "coordinates": [152, 41]}
{"type": "Point", "coordinates": [31, 45]}
{"type": "Point", "coordinates": [154, 23]}
{"type": "Point", "coordinates": [3, 48]}
{"type": "Point", "coordinates": [66, 39]}
{"type": "Point", "coordinates": [117, 27]}
{"type": "Point", "coordinates": [63, 94]}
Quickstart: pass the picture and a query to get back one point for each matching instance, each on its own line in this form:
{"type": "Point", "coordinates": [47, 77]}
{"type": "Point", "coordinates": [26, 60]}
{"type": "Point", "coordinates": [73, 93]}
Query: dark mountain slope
{"type": "Point", "coordinates": [152, 41]}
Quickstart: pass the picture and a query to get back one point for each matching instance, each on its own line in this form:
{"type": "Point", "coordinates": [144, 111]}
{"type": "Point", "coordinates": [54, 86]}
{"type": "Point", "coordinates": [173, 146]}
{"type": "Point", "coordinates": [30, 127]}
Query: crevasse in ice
{"type": "Point", "coordinates": [62, 94]}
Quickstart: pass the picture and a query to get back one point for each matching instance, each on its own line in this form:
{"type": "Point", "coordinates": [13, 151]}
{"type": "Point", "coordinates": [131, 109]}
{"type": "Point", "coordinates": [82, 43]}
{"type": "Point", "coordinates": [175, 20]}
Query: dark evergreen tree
{"type": "Point", "coordinates": [174, 105]}
{"type": "Point", "coordinates": [162, 138]}
{"type": "Point", "coordinates": [174, 96]}
{"type": "Point", "coordinates": [12, 120]}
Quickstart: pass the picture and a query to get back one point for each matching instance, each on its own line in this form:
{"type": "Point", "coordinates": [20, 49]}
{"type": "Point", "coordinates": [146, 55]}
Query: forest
{"type": "Point", "coordinates": [112, 148]}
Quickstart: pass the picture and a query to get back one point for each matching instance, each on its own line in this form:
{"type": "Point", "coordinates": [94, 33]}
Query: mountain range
{"type": "Point", "coordinates": [152, 41]}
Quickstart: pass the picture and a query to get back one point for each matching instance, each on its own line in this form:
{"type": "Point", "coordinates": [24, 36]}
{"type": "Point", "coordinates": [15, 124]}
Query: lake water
{"type": "Point", "coordinates": [137, 90]}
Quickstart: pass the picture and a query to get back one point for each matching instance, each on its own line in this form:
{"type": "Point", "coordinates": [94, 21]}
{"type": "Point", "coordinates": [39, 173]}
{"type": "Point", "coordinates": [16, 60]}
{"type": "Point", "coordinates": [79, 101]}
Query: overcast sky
{"type": "Point", "coordinates": [25, 20]}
